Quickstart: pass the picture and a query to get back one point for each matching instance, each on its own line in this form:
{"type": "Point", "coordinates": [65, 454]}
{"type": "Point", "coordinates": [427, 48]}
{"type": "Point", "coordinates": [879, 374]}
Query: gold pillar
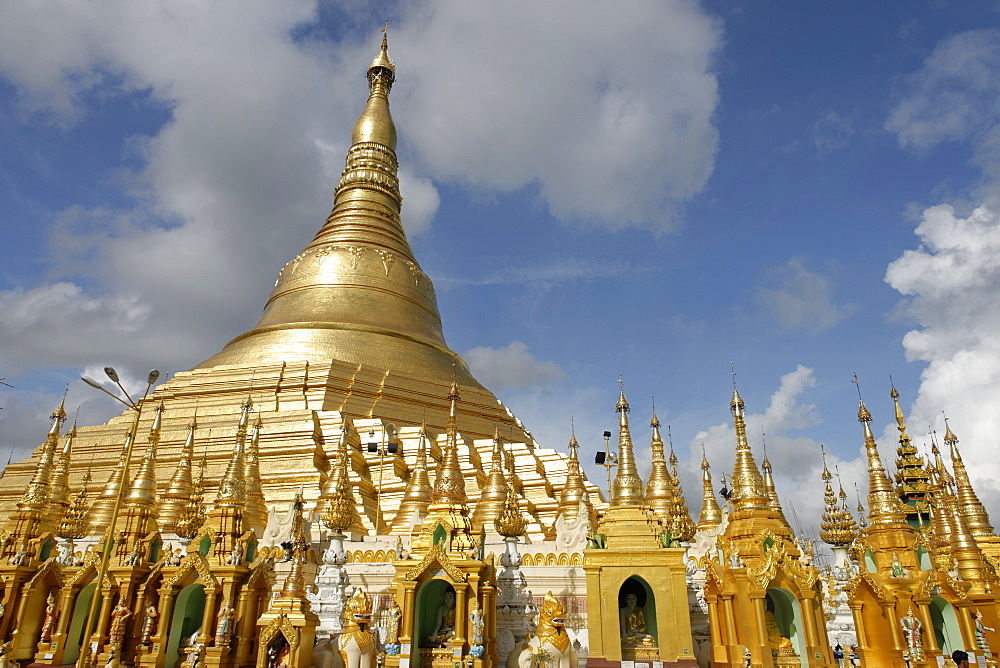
{"type": "Point", "coordinates": [461, 612]}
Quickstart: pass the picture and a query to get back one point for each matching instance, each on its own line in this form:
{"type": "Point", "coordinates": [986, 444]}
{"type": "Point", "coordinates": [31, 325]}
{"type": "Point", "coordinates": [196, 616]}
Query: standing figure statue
{"type": "Point", "coordinates": [392, 617]}
{"type": "Point", "coordinates": [913, 631]}
{"type": "Point", "coordinates": [224, 632]}
{"type": "Point", "coordinates": [476, 627]}
{"type": "Point", "coordinates": [119, 619]}
{"type": "Point", "coordinates": [149, 624]}
{"type": "Point", "coordinates": [50, 618]}
{"type": "Point", "coordinates": [981, 629]}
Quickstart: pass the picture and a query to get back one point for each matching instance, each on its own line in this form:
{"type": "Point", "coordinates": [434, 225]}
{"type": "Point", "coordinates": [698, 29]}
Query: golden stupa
{"type": "Point", "coordinates": [351, 335]}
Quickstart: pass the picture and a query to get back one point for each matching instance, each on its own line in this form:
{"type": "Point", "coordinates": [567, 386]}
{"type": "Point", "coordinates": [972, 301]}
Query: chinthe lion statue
{"type": "Point", "coordinates": [550, 636]}
{"type": "Point", "coordinates": [356, 643]}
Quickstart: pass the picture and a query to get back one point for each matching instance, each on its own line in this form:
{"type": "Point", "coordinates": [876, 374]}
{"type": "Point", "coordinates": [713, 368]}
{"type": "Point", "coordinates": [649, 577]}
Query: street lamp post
{"type": "Point", "coordinates": [84, 660]}
{"type": "Point", "coordinates": [607, 459]}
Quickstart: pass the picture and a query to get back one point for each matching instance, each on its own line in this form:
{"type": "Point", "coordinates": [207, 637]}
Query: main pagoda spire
{"type": "Point", "coordinates": [357, 293]}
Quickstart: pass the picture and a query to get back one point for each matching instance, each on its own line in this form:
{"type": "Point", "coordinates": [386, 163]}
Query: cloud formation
{"type": "Point", "coordinates": [798, 298]}
{"type": "Point", "coordinates": [952, 282]}
{"type": "Point", "coordinates": [511, 367]}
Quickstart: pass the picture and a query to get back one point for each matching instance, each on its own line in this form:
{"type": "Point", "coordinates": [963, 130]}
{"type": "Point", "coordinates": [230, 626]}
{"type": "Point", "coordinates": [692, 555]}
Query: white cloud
{"type": "Point", "coordinates": [609, 114]}
{"type": "Point", "coordinates": [511, 367]}
{"type": "Point", "coordinates": [955, 96]}
{"type": "Point", "coordinates": [953, 285]}
{"type": "Point", "coordinates": [801, 299]}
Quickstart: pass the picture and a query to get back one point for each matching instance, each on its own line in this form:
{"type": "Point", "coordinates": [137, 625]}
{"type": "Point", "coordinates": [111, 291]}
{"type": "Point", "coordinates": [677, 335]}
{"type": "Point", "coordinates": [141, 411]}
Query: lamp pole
{"type": "Point", "coordinates": [84, 660]}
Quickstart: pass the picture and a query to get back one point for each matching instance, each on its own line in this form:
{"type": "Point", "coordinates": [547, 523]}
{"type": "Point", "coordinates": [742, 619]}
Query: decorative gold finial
{"type": "Point", "coordinates": [510, 523]}
{"type": "Point", "coordinates": [966, 499]}
{"type": "Point", "coordinates": [748, 491]}
{"type": "Point", "coordinates": [710, 515]}
{"type": "Point", "coordinates": [626, 490]}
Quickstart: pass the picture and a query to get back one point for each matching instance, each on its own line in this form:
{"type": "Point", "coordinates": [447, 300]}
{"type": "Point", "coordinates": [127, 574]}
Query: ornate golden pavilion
{"type": "Point", "coordinates": [161, 538]}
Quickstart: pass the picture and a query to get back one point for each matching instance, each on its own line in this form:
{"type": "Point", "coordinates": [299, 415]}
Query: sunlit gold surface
{"type": "Point", "coordinates": [626, 490]}
{"type": "Point", "coordinates": [710, 515]}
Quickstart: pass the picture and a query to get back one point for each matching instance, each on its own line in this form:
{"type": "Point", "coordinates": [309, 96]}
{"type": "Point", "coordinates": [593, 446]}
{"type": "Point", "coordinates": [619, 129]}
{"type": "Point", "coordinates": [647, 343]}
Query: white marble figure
{"type": "Point", "coordinates": [571, 535]}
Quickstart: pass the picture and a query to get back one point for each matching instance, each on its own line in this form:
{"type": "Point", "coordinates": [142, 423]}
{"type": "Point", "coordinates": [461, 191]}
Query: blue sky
{"type": "Point", "coordinates": [654, 190]}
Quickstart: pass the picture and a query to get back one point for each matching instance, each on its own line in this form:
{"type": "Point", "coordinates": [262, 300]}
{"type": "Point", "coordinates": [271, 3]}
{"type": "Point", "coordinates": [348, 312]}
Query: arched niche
{"type": "Point", "coordinates": [189, 608]}
{"type": "Point", "coordinates": [787, 616]}
{"type": "Point", "coordinates": [429, 598]}
{"type": "Point", "coordinates": [645, 603]}
{"type": "Point", "coordinates": [74, 637]}
{"type": "Point", "coordinates": [946, 628]}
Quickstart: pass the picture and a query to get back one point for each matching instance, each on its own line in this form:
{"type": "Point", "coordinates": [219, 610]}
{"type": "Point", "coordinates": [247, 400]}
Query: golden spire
{"type": "Point", "coordinates": [510, 523]}
{"type": "Point", "coordinates": [971, 509]}
{"type": "Point", "coordinates": [59, 496]}
{"type": "Point", "coordinates": [33, 508]}
{"type": "Point", "coordinates": [681, 525]}
{"type": "Point", "coordinates": [748, 491]}
{"type": "Point", "coordinates": [660, 491]}
{"type": "Point", "coordinates": [294, 588]}
{"type": "Point", "coordinates": [193, 514]}
{"type": "Point", "coordinates": [142, 490]}
{"type": "Point", "coordinates": [494, 492]}
{"type": "Point", "coordinates": [710, 515]}
{"type": "Point", "coordinates": [341, 512]}
{"type": "Point", "coordinates": [74, 524]}
{"type": "Point", "coordinates": [847, 518]}
{"type": "Point", "coordinates": [450, 484]}
{"type": "Point", "coordinates": [357, 293]}
{"type": "Point", "coordinates": [419, 493]}
{"type": "Point", "coordinates": [862, 521]}
{"type": "Point", "coordinates": [103, 505]}
{"type": "Point", "coordinates": [884, 507]}
{"type": "Point", "coordinates": [177, 496]}
{"type": "Point", "coordinates": [772, 492]}
{"type": "Point", "coordinates": [911, 479]}
{"type": "Point", "coordinates": [575, 489]}
{"type": "Point", "coordinates": [255, 516]}
{"type": "Point", "coordinates": [230, 501]}
{"type": "Point", "coordinates": [626, 490]}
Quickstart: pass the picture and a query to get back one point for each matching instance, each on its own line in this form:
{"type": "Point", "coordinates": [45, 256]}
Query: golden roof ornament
{"type": "Point", "coordinates": [230, 500]}
{"type": "Point", "coordinates": [38, 492]}
{"type": "Point", "coordinates": [174, 500]}
{"type": "Point", "coordinates": [193, 515]}
{"type": "Point", "coordinates": [255, 515]}
{"type": "Point", "coordinates": [769, 486]}
{"type": "Point", "coordinates": [968, 502]}
{"type": "Point", "coordinates": [626, 490]}
{"type": "Point", "coordinates": [681, 525]}
{"type": "Point", "coordinates": [419, 492]}
{"type": "Point", "coordinates": [710, 515]}
{"type": "Point", "coordinates": [847, 519]}
{"type": "Point", "coordinates": [510, 523]}
{"type": "Point", "coordinates": [294, 587]}
{"type": "Point", "coordinates": [74, 524]}
{"type": "Point", "coordinates": [341, 514]}
{"type": "Point", "coordinates": [494, 493]}
{"type": "Point", "coordinates": [142, 490]}
{"type": "Point", "coordinates": [832, 526]}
